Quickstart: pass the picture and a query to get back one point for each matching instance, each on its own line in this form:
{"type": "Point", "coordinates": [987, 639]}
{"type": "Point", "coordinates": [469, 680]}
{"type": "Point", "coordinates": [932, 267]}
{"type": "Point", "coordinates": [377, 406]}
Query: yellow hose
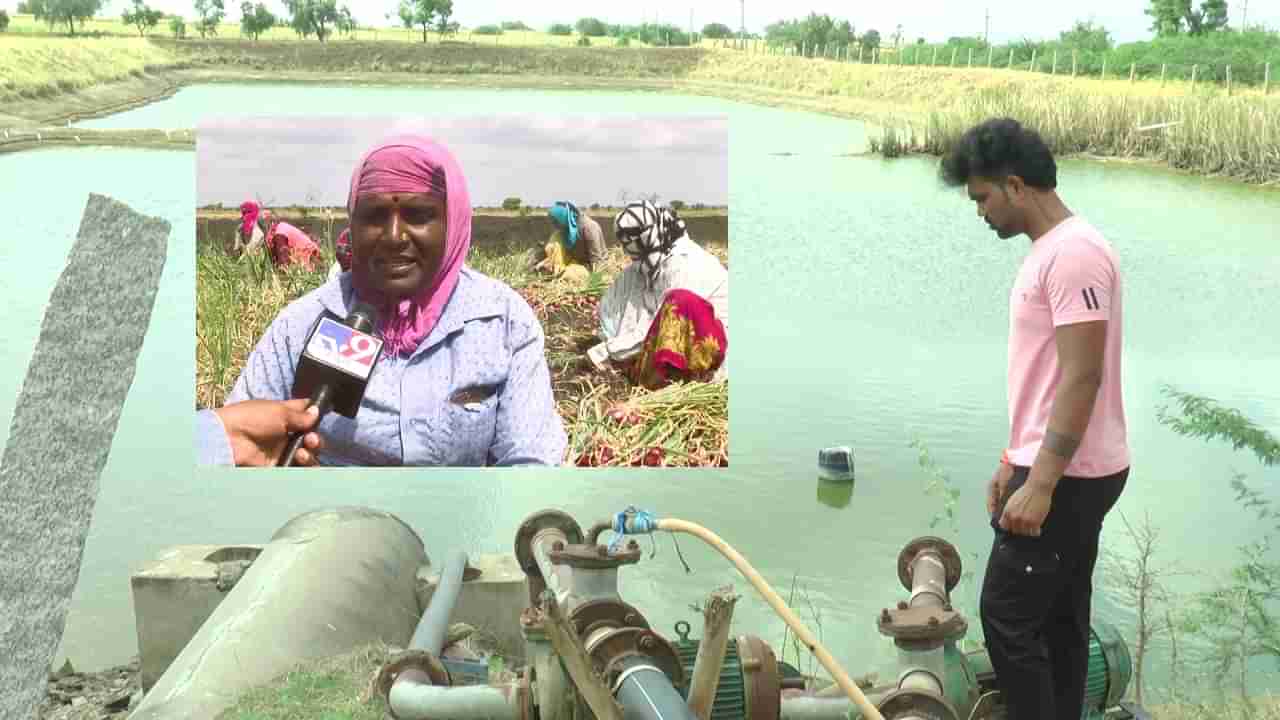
{"type": "Point", "coordinates": [869, 711]}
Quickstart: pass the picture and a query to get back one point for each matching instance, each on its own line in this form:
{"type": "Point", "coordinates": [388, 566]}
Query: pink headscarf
{"type": "Point", "coordinates": [248, 216]}
{"type": "Point", "coordinates": [415, 164]}
{"type": "Point", "coordinates": [342, 249]}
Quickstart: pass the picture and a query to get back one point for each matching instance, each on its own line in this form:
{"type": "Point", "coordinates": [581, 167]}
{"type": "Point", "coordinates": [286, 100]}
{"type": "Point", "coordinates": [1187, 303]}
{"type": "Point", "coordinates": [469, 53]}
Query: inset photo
{"type": "Point", "coordinates": [462, 291]}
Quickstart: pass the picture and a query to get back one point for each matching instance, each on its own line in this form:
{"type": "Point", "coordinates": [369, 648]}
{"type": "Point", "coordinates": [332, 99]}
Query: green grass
{"type": "Point", "coordinates": [331, 689]}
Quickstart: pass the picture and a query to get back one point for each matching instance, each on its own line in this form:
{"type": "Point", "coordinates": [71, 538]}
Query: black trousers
{"type": "Point", "coordinates": [1036, 596]}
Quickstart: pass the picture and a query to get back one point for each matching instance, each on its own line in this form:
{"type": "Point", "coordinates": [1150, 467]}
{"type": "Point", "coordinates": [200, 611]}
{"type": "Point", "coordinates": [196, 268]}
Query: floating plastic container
{"type": "Point", "coordinates": [836, 464]}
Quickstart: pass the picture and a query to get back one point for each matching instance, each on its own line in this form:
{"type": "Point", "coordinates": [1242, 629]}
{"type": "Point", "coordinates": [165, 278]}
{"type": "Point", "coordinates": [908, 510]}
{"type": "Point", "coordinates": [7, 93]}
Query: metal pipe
{"type": "Point", "coordinates": [433, 628]}
{"type": "Point", "coordinates": [593, 534]}
{"type": "Point", "coordinates": [809, 707]}
{"type": "Point", "coordinates": [928, 580]}
{"type": "Point", "coordinates": [423, 701]}
{"type": "Point", "coordinates": [920, 679]}
{"type": "Point", "coordinates": [646, 693]}
{"type": "Point", "coordinates": [555, 576]}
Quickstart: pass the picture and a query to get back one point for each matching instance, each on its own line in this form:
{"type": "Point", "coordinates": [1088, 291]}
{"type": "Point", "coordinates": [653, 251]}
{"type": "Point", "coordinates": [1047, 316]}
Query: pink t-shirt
{"type": "Point", "coordinates": [1070, 276]}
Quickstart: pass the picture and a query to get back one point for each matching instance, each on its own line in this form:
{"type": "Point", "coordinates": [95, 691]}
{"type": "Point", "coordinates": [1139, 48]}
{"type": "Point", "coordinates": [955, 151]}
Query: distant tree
{"type": "Point", "coordinates": [487, 30]}
{"type": "Point", "coordinates": [178, 27]}
{"type": "Point", "coordinates": [255, 19]}
{"type": "Point", "coordinates": [4, 20]}
{"type": "Point", "coordinates": [717, 31]}
{"type": "Point", "coordinates": [313, 17]}
{"type": "Point", "coordinates": [444, 11]}
{"type": "Point", "coordinates": [871, 40]}
{"type": "Point", "coordinates": [1086, 35]}
{"type": "Point", "coordinates": [141, 17]}
{"type": "Point", "coordinates": [677, 205]}
{"type": "Point", "coordinates": [515, 25]}
{"type": "Point", "coordinates": [24, 8]}
{"type": "Point", "coordinates": [57, 12]}
{"type": "Point", "coordinates": [897, 36]}
{"type": "Point", "coordinates": [1171, 17]}
{"type": "Point", "coordinates": [512, 203]}
{"type": "Point", "coordinates": [346, 22]}
{"type": "Point", "coordinates": [842, 35]}
{"type": "Point", "coordinates": [560, 29]}
{"type": "Point", "coordinates": [209, 14]}
{"type": "Point", "coordinates": [422, 13]}
{"type": "Point", "coordinates": [591, 27]}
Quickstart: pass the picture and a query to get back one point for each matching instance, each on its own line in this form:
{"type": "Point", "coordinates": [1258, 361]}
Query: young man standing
{"type": "Point", "coordinates": [1068, 456]}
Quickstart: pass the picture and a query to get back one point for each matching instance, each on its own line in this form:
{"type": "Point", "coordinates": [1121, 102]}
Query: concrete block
{"type": "Point", "coordinates": [491, 603]}
{"type": "Point", "coordinates": [63, 425]}
{"type": "Point", "coordinates": [175, 593]}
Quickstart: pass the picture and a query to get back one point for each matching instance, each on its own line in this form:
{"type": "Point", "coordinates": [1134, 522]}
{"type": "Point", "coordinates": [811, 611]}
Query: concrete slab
{"type": "Point", "coordinates": [175, 593]}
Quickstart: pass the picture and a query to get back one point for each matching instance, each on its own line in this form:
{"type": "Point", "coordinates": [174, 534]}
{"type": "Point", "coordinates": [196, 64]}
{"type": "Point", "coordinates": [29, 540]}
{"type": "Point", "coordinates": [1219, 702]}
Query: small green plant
{"type": "Point", "coordinates": [512, 203]}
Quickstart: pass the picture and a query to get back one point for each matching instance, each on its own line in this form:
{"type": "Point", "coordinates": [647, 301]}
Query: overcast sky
{"type": "Point", "coordinates": [537, 158]}
{"type": "Point", "coordinates": [931, 19]}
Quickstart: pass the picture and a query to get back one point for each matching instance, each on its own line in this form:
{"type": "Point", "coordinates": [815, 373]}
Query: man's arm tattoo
{"type": "Point", "coordinates": [1064, 446]}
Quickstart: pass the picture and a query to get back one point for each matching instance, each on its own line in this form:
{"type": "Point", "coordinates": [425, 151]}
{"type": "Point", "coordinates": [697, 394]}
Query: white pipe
{"type": "Point", "coordinates": [420, 701]}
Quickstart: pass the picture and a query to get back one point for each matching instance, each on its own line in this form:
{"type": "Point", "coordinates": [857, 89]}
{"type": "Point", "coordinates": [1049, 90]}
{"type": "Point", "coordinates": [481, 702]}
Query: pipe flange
{"type": "Point", "coordinates": [593, 557]}
{"type": "Point", "coordinates": [409, 660]}
{"type": "Point", "coordinates": [536, 523]}
{"type": "Point", "coordinates": [929, 624]}
{"type": "Point", "coordinates": [916, 704]}
{"type": "Point", "coordinates": [945, 550]}
{"type": "Point", "coordinates": [610, 651]}
{"type": "Point", "coordinates": [763, 681]}
{"type": "Point", "coordinates": [595, 614]}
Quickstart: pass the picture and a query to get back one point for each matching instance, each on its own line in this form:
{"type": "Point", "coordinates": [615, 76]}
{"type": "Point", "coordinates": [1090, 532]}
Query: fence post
{"type": "Point", "coordinates": [1266, 80]}
{"type": "Point", "coordinates": [934, 61]}
{"type": "Point", "coordinates": [1075, 61]}
{"type": "Point", "coordinates": [1228, 81]}
{"type": "Point", "coordinates": [970, 57]}
{"type": "Point", "coordinates": [1163, 68]}
{"type": "Point", "coordinates": [1104, 67]}
{"type": "Point", "coordinates": [859, 54]}
{"type": "Point", "coordinates": [1010, 60]}
{"type": "Point", "coordinates": [875, 56]}
{"type": "Point", "coordinates": [991, 56]}
{"type": "Point", "coordinates": [953, 56]}
{"type": "Point", "coordinates": [1055, 62]}
{"type": "Point", "coordinates": [1133, 67]}
{"type": "Point", "coordinates": [1032, 66]}
{"type": "Point", "coordinates": [1194, 69]}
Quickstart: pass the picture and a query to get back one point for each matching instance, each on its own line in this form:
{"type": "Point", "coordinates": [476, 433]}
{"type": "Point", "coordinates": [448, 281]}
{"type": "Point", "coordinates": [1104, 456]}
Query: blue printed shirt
{"type": "Point", "coordinates": [487, 335]}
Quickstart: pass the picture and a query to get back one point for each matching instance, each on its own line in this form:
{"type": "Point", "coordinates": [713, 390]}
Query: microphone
{"type": "Point", "coordinates": [335, 366]}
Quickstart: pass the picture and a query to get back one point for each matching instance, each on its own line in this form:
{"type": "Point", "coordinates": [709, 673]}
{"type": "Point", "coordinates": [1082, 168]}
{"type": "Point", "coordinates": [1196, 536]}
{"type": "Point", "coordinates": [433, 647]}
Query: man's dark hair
{"type": "Point", "coordinates": [996, 149]}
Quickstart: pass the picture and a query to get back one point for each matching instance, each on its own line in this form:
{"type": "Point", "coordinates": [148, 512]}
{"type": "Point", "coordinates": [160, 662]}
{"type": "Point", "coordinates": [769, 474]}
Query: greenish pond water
{"type": "Point", "coordinates": [870, 310]}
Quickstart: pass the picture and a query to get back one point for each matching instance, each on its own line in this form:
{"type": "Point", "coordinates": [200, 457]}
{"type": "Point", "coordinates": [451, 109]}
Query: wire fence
{"type": "Point", "coordinates": [1071, 63]}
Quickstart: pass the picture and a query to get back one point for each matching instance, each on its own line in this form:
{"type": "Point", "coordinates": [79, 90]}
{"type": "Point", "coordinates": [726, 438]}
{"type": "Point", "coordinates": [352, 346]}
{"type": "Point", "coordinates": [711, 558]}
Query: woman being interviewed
{"type": "Point", "coordinates": [462, 380]}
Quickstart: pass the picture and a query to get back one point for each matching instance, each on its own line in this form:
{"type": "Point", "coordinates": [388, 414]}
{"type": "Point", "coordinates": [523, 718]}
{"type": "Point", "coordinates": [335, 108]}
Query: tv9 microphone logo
{"type": "Point", "coordinates": [344, 348]}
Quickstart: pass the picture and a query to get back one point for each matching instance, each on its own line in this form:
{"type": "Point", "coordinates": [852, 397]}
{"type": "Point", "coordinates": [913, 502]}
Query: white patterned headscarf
{"type": "Point", "coordinates": [647, 234]}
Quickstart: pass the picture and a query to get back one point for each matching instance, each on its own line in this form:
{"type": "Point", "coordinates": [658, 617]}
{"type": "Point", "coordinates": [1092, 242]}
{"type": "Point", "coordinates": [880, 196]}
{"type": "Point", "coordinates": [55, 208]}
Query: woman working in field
{"type": "Point", "coordinates": [576, 246]}
{"type": "Point", "coordinates": [462, 379]}
{"type": "Point", "coordinates": [286, 243]}
{"type": "Point", "coordinates": [666, 316]}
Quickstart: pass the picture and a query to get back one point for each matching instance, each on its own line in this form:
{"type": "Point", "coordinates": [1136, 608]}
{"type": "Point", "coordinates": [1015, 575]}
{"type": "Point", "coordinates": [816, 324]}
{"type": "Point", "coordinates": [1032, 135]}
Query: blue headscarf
{"type": "Point", "coordinates": [566, 215]}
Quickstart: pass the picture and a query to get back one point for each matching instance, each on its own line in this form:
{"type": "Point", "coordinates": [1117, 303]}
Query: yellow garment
{"type": "Point", "coordinates": [562, 264]}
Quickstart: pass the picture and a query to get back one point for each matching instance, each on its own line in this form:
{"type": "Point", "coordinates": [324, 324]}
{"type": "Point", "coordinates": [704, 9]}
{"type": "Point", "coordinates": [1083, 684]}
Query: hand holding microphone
{"type": "Point", "coordinates": [334, 369]}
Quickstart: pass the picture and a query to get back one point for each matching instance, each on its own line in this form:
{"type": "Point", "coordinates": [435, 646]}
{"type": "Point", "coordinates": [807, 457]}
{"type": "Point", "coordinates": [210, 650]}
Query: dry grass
{"type": "Point", "coordinates": [40, 66]}
{"type": "Point", "coordinates": [332, 688]}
